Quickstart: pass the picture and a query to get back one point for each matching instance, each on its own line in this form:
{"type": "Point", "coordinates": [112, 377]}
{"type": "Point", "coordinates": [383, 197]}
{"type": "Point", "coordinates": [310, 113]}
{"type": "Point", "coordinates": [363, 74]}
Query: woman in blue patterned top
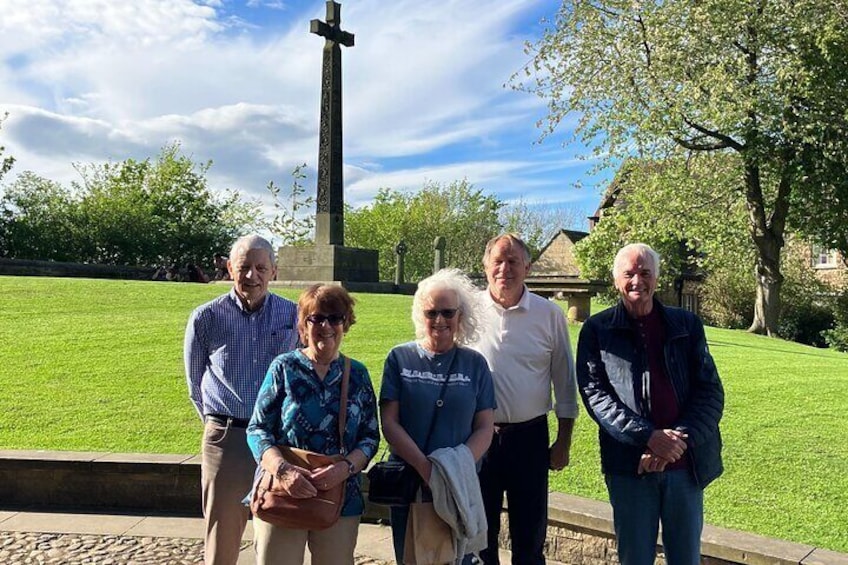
{"type": "Point", "coordinates": [298, 406]}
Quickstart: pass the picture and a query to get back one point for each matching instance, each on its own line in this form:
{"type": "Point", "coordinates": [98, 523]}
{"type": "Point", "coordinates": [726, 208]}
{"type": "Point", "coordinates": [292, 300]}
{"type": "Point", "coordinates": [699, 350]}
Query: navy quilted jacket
{"type": "Point", "coordinates": [611, 371]}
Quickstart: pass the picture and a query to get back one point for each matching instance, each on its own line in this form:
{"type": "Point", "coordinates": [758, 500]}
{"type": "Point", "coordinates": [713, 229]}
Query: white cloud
{"type": "Point", "coordinates": [93, 80]}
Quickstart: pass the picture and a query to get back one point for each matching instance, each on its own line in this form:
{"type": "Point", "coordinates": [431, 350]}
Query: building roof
{"type": "Point", "coordinates": [573, 235]}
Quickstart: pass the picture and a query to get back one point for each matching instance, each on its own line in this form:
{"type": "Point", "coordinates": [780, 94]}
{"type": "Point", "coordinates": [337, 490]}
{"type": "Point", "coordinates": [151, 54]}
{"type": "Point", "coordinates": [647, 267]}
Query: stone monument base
{"type": "Point", "coordinates": [327, 263]}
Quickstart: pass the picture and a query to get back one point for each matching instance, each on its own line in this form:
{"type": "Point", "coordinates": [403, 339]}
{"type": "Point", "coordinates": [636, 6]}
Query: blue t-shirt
{"type": "Point", "coordinates": [414, 377]}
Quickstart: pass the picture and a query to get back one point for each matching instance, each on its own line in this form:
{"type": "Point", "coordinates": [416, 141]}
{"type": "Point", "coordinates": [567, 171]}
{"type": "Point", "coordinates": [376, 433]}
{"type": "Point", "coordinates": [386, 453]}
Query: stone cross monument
{"type": "Point", "coordinates": [329, 219]}
{"type": "Point", "coordinates": [328, 260]}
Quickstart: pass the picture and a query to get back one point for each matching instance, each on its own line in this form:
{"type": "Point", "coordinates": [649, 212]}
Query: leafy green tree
{"type": "Point", "coordinates": [538, 223]}
{"type": "Point", "coordinates": [694, 229]}
{"type": "Point", "coordinates": [146, 213]}
{"type": "Point", "coordinates": [7, 161]}
{"type": "Point", "coordinates": [294, 222]}
{"type": "Point", "coordinates": [460, 213]}
{"type": "Point", "coordinates": [821, 215]}
{"type": "Point", "coordinates": [5, 215]}
{"type": "Point", "coordinates": [681, 224]}
{"type": "Point", "coordinates": [758, 79]}
{"type": "Point", "coordinates": [161, 211]}
{"type": "Point", "coordinates": [40, 220]}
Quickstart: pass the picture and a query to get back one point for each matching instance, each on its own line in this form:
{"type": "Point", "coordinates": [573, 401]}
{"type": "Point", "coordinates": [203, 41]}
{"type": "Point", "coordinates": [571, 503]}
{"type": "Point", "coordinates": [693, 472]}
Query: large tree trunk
{"type": "Point", "coordinates": [769, 283]}
{"type": "Point", "coordinates": [767, 234]}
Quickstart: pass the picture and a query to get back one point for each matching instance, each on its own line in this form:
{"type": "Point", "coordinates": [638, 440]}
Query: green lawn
{"type": "Point", "coordinates": [96, 365]}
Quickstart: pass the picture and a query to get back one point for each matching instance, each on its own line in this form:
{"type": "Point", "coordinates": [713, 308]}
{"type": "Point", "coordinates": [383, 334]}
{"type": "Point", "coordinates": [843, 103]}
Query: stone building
{"type": "Point", "coordinates": [557, 256]}
{"type": "Point", "coordinates": [829, 266]}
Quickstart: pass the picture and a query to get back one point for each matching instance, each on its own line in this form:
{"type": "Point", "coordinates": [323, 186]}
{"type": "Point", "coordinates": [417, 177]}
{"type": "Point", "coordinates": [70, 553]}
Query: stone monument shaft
{"type": "Point", "coordinates": [329, 260]}
{"type": "Point", "coordinates": [329, 217]}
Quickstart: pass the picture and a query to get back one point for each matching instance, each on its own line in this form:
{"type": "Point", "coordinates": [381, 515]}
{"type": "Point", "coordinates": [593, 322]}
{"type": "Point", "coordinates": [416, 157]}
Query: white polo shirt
{"type": "Point", "coordinates": [529, 353]}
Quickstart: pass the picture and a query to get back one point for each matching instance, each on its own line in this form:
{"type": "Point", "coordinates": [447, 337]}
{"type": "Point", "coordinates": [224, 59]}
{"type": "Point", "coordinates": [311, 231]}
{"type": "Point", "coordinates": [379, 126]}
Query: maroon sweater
{"type": "Point", "coordinates": [661, 397]}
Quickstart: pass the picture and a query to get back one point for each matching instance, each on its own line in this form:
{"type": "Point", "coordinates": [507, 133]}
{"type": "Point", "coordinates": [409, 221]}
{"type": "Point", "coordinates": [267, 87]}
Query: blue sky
{"type": "Point", "coordinates": [238, 83]}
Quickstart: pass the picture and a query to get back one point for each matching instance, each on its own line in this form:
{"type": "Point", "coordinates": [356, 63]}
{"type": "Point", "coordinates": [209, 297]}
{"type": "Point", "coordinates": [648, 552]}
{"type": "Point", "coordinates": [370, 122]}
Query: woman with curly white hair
{"type": "Point", "coordinates": [436, 379]}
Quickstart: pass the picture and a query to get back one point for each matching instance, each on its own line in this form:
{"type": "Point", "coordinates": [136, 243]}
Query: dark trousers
{"type": "Point", "coordinates": [517, 464]}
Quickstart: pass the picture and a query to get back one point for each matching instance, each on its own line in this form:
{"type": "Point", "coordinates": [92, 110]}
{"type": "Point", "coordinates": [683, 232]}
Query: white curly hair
{"type": "Point", "coordinates": [467, 301]}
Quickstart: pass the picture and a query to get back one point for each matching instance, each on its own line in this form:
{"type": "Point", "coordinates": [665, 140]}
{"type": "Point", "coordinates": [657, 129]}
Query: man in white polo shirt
{"type": "Point", "coordinates": [525, 340]}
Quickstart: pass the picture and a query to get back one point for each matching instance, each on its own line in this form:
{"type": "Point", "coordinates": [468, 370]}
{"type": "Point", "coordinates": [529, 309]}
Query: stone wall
{"type": "Point", "coordinates": [26, 267]}
{"type": "Point", "coordinates": [132, 482]}
{"type": "Point", "coordinates": [579, 530]}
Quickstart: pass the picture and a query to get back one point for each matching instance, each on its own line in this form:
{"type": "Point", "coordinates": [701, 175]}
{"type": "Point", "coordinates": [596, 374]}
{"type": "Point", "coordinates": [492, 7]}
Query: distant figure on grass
{"type": "Point", "coordinates": [221, 272]}
{"type": "Point", "coordinates": [229, 344]}
{"type": "Point", "coordinates": [647, 378]}
{"type": "Point", "coordinates": [524, 337]}
{"type": "Point", "coordinates": [173, 274]}
{"type": "Point", "coordinates": [195, 274]}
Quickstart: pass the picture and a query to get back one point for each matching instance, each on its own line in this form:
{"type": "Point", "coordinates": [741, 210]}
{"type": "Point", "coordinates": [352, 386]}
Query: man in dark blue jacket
{"type": "Point", "coordinates": [647, 378]}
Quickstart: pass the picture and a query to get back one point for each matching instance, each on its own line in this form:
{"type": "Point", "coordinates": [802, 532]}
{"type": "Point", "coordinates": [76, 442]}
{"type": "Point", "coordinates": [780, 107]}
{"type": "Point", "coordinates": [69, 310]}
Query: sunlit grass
{"type": "Point", "coordinates": [96, 365]}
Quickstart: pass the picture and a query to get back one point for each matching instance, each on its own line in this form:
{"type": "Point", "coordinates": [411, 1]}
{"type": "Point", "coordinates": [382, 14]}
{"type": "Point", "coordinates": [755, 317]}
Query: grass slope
{"type": "Point", "coordinates": [96, 365]}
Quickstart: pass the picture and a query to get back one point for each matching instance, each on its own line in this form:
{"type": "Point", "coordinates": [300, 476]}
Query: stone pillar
{"type": "Point", "coordinates": [439, 255]}
{"type": "Point", "coordinates": [400, 251]}
{"type": "Point", "coordinates": [329, 260]}
{"type": "Point", "coordinates": [579, 307]}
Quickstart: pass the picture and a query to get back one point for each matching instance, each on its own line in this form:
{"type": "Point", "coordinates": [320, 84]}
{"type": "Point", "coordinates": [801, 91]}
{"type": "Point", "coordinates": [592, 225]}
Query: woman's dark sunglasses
{"type": "Point", "coordinates": [334, 319]}
{"type": "Point", "coordinates": [447, 313]}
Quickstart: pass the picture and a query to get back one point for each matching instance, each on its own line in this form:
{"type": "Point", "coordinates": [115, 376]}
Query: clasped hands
{"type": "Point", "coordinates": [303, 483]}
{"type": "Point", "coordinates": [664, 447]}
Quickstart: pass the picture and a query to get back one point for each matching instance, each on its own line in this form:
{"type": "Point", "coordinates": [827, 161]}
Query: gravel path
{"type": "Point", "coordinates": [23, 548]}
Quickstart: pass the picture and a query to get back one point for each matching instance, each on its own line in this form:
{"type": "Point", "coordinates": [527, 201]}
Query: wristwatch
{"type": "Point", "coordinates": [351, 468]}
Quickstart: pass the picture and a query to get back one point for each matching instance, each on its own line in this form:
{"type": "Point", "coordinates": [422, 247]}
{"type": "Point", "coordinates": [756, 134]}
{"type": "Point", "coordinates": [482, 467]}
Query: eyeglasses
{"type": "Point", "coordinates": [334, 319]}
{"type": "Point", "coordinates": [447, 313]}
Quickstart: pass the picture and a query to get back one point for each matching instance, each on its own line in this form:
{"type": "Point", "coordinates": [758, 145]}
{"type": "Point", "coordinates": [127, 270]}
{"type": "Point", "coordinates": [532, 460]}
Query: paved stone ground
{"type": "Point", "coordinates": [26, 548]}
{"type": "Point", "coordinates": [41, 548]}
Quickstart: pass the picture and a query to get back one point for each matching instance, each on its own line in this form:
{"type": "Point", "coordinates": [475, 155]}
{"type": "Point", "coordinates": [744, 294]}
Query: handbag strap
{"type": "Point", "coordinates": [440, 402]}
{"type": "Point", "coordinates": [343, 404]}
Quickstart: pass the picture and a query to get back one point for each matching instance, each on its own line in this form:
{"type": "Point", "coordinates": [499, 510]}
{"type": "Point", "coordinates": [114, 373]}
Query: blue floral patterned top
{"type": "Point", "coordinates": [298, 409]}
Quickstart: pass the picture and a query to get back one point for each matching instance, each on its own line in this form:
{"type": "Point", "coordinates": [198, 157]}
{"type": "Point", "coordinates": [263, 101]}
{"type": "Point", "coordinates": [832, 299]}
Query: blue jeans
{"type": "Point", "coordinates": [640, 503]}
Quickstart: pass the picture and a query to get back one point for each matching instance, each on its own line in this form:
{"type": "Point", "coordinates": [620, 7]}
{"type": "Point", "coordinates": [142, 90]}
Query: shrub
{"type": "Point", "coordinates": [727, 297]}
{"type": "Point", "coordinates": [806, 310]}
{"type": "Point", "coordinates": [837, 337]}
{"type": "Point", "coordinates": [806, 323]}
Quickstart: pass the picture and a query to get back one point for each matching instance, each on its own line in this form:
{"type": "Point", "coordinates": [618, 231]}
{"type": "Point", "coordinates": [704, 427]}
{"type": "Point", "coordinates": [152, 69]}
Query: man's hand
{"type": "Point", "coordinates": [668, 444]}
{"type": "Point", "coordinates": [651, 463]}
{"type": "Point", "coordinates": [561, 449]}
{"type": "Point", "coordinates": [560, 454]}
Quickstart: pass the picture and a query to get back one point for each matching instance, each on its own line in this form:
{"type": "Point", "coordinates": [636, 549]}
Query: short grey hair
{"type": "Point", "coordinates": [249, 242]}
{"type": "Point", "coordinates": [467, 302]}
{"type": "Point", "coordinates": [643, 250]}
{"type": "Point", "coordinates": [513, 239]}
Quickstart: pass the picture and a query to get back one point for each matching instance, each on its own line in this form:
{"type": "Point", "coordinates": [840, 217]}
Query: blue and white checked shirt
{"type": "Point", "coordinates": [228, 350]}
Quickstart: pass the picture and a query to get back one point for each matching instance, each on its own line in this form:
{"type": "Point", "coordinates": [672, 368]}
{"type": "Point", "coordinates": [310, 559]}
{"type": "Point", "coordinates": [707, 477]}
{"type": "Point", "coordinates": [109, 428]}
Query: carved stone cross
{"type": "Point", "coordinates": [329, 217]}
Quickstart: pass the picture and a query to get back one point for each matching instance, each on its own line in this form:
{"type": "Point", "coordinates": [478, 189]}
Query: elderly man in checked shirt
{"type": "Point", "coordinates": [229, 344]}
